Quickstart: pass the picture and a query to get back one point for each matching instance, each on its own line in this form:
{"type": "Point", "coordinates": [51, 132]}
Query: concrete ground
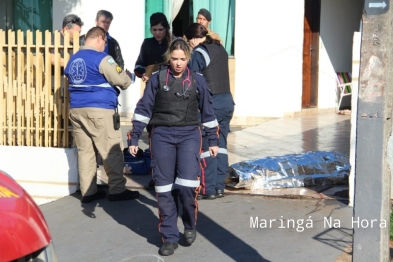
{"type": "Point", "coordinates": [238, 227]}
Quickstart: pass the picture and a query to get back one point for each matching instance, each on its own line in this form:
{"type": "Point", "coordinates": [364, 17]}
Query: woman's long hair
{"type": "Point", "coordinates": [196, 30]}
{"type": "Point", "coordinates": [160, 19]}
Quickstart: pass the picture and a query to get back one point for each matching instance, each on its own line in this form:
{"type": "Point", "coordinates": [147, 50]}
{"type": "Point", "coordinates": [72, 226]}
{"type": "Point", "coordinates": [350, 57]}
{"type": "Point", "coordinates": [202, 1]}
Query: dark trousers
{"type": "Point", "coordinates": [176, 168]}
{"type": "Point", "coordinates": [216, 168]}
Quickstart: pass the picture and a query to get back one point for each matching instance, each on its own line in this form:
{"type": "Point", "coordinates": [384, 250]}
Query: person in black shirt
{"type": "Point", "coordinates": [153, 49]}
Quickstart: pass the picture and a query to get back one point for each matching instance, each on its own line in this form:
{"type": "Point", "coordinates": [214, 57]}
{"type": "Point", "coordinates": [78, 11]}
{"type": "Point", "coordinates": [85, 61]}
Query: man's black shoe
{"type": "Point", "coordinates": [219, 193]}
{"type": "Point", "coordinates": [125, 195]}
{"type": "Point", "coordinates": [189, 236]}
{"type": "Point", "coordinates": [206, 196]}
{"type": "Point", "coordinates": [152, 183]}
{"type": "Point", "coordinates": [168, 249]}
{"type": "Point", "coordinates": [98, 195]}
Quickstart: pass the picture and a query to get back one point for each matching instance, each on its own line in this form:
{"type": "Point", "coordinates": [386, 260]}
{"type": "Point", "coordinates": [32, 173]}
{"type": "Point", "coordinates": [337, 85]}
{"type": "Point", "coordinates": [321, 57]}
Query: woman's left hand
{"type": "Point", "coordinates": [133, 150]}
{"type": "Point", "coordinates": [213, 151]}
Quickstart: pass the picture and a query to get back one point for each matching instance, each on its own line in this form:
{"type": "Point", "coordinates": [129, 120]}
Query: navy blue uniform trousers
{"type": "Point", "coordinates": [176, 170]}
{"type": "Point", "coordinates": [215, 169]}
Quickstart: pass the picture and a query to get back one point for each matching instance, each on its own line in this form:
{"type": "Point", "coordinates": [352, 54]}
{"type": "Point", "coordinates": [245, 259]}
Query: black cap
{"type": "Point", "coordinates": [205, 13]}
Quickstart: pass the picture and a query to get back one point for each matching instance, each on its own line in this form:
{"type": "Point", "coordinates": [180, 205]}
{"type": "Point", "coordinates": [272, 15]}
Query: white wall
{"type": "Point", "coordinates": [339, 20]}
{"type": "Point", "coordinates": [47, 174]}
{"type": "Point", "coordinates": [127, 28]}
{"type": "Point", "coordinates": [269, 54]}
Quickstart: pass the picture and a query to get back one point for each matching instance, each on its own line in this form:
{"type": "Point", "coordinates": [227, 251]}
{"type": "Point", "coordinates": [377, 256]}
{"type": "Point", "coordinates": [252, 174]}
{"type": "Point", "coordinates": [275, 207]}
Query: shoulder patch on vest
{"type": "Point", "coordinates": [111, 61]}
{"type": "Point", "coordinates": [118, 69]}
{"type": "Point", "coordinates": [155, 72]}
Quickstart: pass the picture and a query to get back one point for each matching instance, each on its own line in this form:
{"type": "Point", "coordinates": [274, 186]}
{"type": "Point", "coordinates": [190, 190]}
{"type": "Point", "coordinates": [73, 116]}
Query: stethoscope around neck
{"type": "Point", "coordinates": [184, 90]}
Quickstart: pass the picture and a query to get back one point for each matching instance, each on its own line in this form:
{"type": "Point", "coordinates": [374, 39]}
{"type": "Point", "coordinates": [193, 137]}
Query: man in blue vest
{"type": "Point", "coordinates": [93, 76]}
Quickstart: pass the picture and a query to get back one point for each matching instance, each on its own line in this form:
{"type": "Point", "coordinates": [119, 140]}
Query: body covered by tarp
{"type": "Point", "coordinates": [293, 170]}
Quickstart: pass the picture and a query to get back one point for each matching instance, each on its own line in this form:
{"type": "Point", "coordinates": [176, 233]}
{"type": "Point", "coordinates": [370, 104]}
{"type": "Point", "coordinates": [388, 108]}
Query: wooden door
{"type": "Point", "coordinates": [312, 12]}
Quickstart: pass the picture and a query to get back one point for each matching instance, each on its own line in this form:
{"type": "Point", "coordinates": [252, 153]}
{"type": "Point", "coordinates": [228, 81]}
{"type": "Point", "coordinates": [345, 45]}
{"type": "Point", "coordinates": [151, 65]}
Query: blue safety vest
{"type": "Point", "coordinates": [88, 87]}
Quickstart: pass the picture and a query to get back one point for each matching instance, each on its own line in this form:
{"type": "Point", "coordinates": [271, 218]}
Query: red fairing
{"type": "Point", "coordinates": [23, 229]}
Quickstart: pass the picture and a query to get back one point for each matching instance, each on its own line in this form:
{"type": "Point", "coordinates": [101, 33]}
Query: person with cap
{"type": "Point", "coordinates": [104, 19]}
{"type": "Point", "coordinates": [178, 104]}
{"type": "Point", "coordinates": [93, 76]}
{"type": "Point", "coordinates": [211, 59]}
{"type": "Point", "coordinates": [153, 48]}
{"type": "Point", "coordinates": [71, 23]}
{"type": "Point", "coordinates": [204, 18]}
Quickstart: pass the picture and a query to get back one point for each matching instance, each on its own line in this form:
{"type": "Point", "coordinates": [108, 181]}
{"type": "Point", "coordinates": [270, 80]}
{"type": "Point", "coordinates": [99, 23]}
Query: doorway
{"type": "Point", "coordinates": [183, 19]}
{"type": "Point", "coordinates": [312, 13]}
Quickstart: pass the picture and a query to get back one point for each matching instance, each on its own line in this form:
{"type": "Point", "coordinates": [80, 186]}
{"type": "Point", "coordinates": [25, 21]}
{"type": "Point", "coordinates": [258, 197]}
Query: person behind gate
{"type": "Point", "coordinates": [104, 20]}
{"type": "Point", "coordinates": [171, 103]}
{"type": "Point", "coordinates": [92, 76]}
{"type": "Point", "coordinates": [210, 58]}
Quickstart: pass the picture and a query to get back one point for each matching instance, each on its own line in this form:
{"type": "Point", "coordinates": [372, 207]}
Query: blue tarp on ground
{"type": "Point", "coordinates": [293, 170]}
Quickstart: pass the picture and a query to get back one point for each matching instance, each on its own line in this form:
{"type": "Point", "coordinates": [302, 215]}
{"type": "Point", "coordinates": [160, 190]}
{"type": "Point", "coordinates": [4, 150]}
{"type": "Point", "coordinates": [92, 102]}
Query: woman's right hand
{"type": "Point", "coordinates": [133, 150]}
{"type": "Point", "coordinates": [145, 78]}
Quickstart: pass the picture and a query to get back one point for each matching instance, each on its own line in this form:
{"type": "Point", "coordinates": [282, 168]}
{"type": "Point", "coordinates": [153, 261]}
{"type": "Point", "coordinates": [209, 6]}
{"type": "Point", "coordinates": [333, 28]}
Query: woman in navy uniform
{"type": "Point", "coordinates": [171, 103]}
{"type": "Point", "coordinates": [211, 59]}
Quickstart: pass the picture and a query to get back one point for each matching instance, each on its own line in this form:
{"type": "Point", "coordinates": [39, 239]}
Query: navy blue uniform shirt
{"type": "Point", "coordinates": [200, 59]}
{"type": "Point", "coordinates": [144, 109]}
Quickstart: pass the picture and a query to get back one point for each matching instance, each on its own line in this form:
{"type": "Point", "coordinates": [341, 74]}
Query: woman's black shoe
{"type": "Point", "coordinates": [168, 249]}
{"type": "Point", "coordinates": [189, 236]}
{"type": "Point", "coordinates": [206, 196]}
{"type": "Point", "coordinates": [220, 193]}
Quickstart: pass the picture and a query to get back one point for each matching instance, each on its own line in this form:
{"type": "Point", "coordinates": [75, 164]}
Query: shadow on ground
{"type": "Point", "coordinates": [146, 221]}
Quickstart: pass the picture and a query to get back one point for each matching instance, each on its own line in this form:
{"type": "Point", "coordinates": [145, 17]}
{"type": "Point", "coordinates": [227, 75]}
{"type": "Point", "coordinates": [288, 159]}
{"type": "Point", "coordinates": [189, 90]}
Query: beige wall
{"type": "Point", "coordinates": [232, 69]}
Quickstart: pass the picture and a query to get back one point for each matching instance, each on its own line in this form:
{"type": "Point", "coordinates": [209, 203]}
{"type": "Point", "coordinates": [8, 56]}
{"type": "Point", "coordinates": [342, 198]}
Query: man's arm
{"type": "Point", "coordinates": [52, 57]}
{"type": "Point", "coordinates": [119, 58]}
{"type": "Point", "coordinates": [117, 52]}
{"type": "Point", "coordinates": [115, 75]}
{"type": "Point", "coordinates": [140, 65]}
